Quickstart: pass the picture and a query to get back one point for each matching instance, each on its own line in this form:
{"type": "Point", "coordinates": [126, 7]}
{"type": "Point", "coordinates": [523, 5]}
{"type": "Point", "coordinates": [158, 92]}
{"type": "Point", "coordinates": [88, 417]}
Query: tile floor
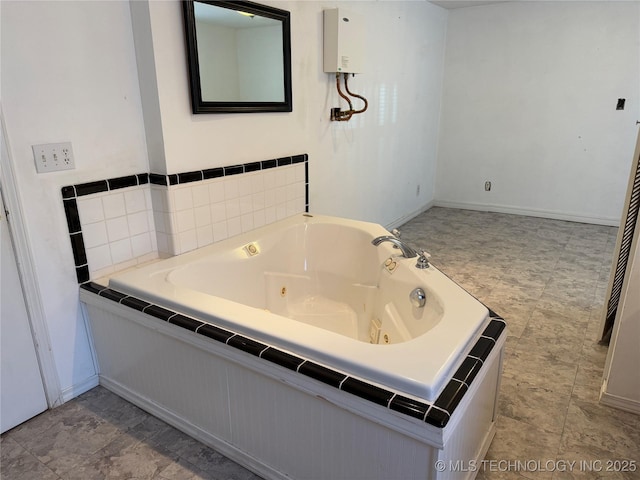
{"type": "Point", "coordinates": [547, 278]}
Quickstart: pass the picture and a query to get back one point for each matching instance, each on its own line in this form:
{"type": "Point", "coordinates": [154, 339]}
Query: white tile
{"type": "Point", "coordinates": [290, 174]}
{"type": "Point", "coordinates": [246, 204]}
{"type": "Point", "coordinates": [270, 197]}
{"type": "Point", "coordinates": [270, 179]}
{"type": "Point", "coordinates": [94, 234]}
{"type": "Point", "coordinates": [117, 229]}
{"type": "Point", "coordinates": [202, 215]}
{"type": "Point", "coordinates": [183, 198]}
{"type": "Point", "coordinates": [204, 235]}
{"type": "Point", "coordinates": [159, 198]}
{"type": "Point", "coordinates": [234, 226]}
{"type": "Point", "coordinates": [257, 182]}
{"type": "Point", "coordinates": [244, 185]}
{"type": "Point", "coordinates": [141, 244]}
{"type": "Point", "coordinates": [233, 207]}
{"type": "Point", "coordinates": [230, 188]}
{"type": "Point", "coordinates": [294, 207]}
{"type": "Point", "coordinates": [281, 195]}
{"type": "Point", "coordinates": [173, 245]}
{"type": "Point", "coordinates": [99, 257]}
{"type": "Point", "coordinates": [216, 191]}
{"type": "Point", "coordinates": [299, 172]}
{"type": "Point", "coordinates": [162, 242]}
{"type": "Point", "coordinates": [220, 231]}
{"type": "Point", "coordinates": [90, 210]}
{"type": "Point", "coordinates": [292, 191]}
{"type": "Point", "coordinates": [200, 195]}
{"type": "Point", "coordinates": [188, 241]}
{"type": "Point", "coordinates": [134, 200]}
{"type": "Point", "coordinates": [138, 223]}
{"type": "Point", "coordinates": [259, 219]}
{"type": "Point", "coordinates": [281, 211]}
{"type": "Point", "coordinates": [159, 222]}
{"type": "Point", "coordinates": [281, 176]}
{"type": "Point", "coordinates": [113, 205]}
{"type": "Point", "coordinates": [147, 197]}
{"type": "Point", "coordinates": [185, 220]}
{"type": "Point", "coordinates": [218, 212]}
{"type": "Point", "coordinates": [121, 250]}
{"type": "Point", "coordinates": [247, 222]}
{"type": "Point", "coordinates": [258, 200]}
{"type": "Point", "coordinates": [270, 215]}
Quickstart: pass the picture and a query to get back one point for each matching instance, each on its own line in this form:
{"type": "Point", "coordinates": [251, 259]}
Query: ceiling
{"type": "Point", "coordinates": [451, 4]}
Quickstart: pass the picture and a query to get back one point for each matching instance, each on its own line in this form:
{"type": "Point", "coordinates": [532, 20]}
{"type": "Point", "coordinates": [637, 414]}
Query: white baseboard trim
{"type": "Point", "coordinates": [622, 403]}
{"type": "Point", "coordinates": [570, 217]}
{"type": "Point", "coordinates": [76, 389]}
{"type": "Point", "coordinates": [405, 218]}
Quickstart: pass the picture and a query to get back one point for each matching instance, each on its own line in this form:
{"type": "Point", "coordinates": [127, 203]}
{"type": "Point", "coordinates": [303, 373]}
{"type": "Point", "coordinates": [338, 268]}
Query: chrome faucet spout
{"type": "Point", "coordinates": [406, 250]}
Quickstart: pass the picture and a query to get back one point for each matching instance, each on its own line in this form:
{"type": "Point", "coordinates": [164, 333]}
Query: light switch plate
{"type": "Point", "coordinates": [52, 157]}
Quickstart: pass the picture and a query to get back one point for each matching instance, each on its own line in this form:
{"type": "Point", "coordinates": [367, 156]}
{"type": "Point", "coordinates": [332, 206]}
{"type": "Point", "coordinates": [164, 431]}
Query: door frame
{"type": "Point", "coordinates": [27, 273]}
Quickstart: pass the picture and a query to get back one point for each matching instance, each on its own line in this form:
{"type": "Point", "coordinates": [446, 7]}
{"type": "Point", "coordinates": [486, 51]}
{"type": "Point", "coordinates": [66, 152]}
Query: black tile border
{"type": "Point", "coordinates": [70, 193]}
{"type": "Point", "coordinates": [437, 414]}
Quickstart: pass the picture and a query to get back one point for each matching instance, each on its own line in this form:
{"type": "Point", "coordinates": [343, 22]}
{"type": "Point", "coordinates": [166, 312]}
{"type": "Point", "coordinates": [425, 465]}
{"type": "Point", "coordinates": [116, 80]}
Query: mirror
{"type": "Point", "coordinates": [239, 56]}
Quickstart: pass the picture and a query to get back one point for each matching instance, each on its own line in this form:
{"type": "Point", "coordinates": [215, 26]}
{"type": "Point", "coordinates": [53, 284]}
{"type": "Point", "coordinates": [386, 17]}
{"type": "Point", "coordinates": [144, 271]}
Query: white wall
{"type": "Point", "coordinates": [68, 74]}
{"type": "Point", "coordinates": [529, 104]}
{"type": "Point", "coordinates": [368, 168]}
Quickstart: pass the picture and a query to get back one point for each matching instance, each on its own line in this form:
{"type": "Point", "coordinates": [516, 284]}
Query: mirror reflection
{"type": "Point", "coordinates": [239, 56]}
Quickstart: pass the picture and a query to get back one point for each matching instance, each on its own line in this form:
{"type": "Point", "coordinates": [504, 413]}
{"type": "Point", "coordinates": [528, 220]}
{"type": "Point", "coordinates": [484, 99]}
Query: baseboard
{"type": "Point", "coordinates": [622, 403]}
{"type": "Point", "coordinates": [569, 217]}
{"type": "Point", "coordinates": [405, 218]}
{"type": "Point", "coordinates": [79, 388]}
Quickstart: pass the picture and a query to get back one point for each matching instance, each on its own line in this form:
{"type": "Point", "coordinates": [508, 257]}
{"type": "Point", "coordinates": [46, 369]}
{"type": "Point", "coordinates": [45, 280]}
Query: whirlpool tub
{"type": "Point", "coordinates": [310, 305]}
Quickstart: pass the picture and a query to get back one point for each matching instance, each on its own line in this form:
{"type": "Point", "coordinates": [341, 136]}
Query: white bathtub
{"type": "Point", "coordinates": [261, 347]}
{"type": "Point", "coordinates": [315, 286]}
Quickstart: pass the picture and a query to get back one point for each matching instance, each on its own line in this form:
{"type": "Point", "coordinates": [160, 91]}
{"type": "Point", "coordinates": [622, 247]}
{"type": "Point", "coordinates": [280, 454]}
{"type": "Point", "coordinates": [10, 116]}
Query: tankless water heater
{"type": "Point", "coordinates": [344, 40]}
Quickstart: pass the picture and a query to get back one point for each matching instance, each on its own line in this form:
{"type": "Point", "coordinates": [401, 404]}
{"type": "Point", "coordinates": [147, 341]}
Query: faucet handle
{"type": "Point", "coordinates": [423, 260]}
{"type": "Point", "coordinates": [396, 233]}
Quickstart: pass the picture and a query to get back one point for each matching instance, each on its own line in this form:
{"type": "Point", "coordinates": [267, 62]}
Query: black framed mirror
{"type": "Point", "coordinates": [239, 57]}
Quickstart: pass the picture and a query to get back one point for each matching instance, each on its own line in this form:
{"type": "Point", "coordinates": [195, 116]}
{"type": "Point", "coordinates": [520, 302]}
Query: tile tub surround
{"type": "Point", "coordinates": [182, 211]}
{"type": "Point", "coordinates": [437, 414]}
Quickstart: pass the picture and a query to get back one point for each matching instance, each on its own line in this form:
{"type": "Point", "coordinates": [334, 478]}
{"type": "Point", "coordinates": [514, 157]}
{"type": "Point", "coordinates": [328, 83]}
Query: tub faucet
{"type": "Point", "coordinates": [407, 251]}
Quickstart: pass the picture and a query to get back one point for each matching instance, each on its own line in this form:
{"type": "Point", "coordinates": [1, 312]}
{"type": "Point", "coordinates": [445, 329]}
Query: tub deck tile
{"type": "Point", "coordinates": [409, 406]}
{"type": "Point", "coordinates": [482, 348]}
{"type": "Point", "coordinates": [112, 294]}
{"type": "Point", "coordinates": [281, 358]}
{"type": "Point", "coordinates": [323, 374]}
{"type": "Point", "coordinates": [468, 370]}
{"type": "Point", "coordinates": [159, 312]}
{"type": "Point", "coordinates": [437, 417]}
{"type": "Point", "coordinates": [186, 322]}
{"type": "Point", "coordinates": [215, 333]}
{"type": "Point", "coordinates": [246, 345]}
{"type": "Point", "coordinates": [367, 391]}
{"type": "Point", "coordinates": [495, 328]}
{"type": "Point", "coordinates": [451, 396]}
{"type": "Point", "coordinates": [134, 302]}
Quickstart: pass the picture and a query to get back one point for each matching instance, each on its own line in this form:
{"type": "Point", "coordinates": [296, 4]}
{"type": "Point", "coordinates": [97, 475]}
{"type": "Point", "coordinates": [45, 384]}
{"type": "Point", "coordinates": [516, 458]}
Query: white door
{"type": "Point", "coordinates": [21, 390]}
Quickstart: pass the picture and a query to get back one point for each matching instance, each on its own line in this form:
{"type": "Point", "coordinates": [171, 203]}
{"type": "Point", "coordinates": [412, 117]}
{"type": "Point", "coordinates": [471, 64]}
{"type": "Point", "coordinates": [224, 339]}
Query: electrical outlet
{"type": "Point", "coordinates": [487, 186]}
{"type": "Point", "coordinates": [52, 157]}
